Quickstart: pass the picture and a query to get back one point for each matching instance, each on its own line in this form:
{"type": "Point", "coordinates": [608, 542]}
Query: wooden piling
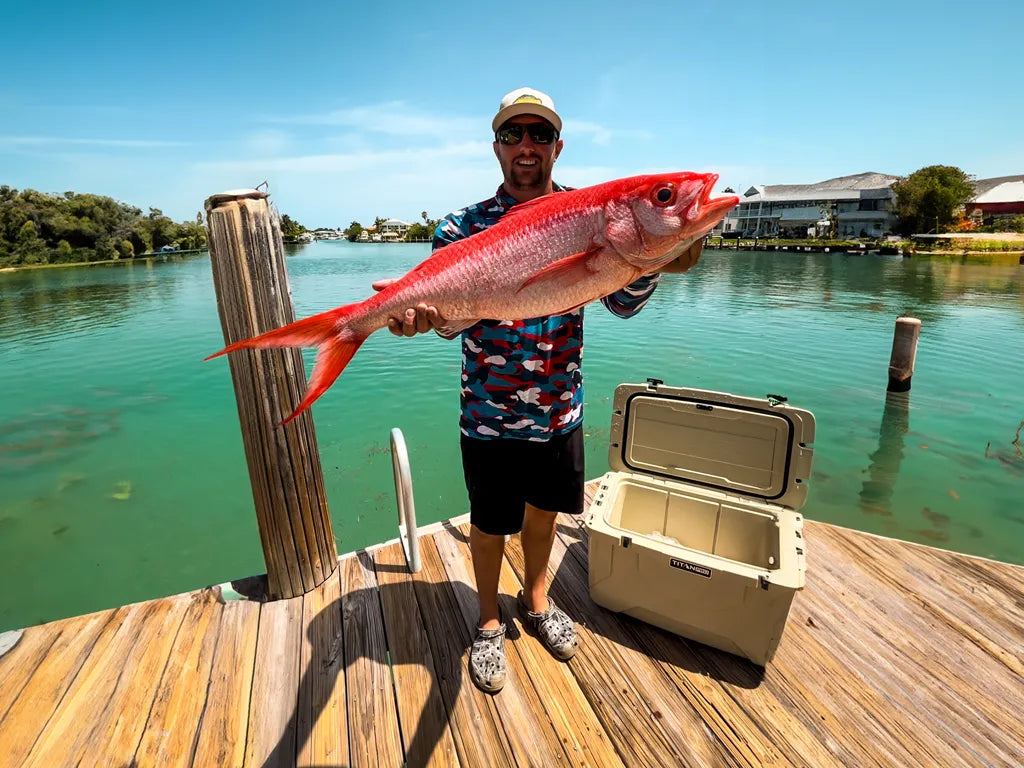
{"type": "Point", "coordinates": [253, 296]}
{"type": "Point", "coordinates": [904, 352]}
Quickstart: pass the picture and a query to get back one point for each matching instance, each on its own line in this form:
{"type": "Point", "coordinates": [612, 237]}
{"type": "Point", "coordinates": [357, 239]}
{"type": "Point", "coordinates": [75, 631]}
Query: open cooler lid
{"type": "Point", "coordinates": [758, 448]}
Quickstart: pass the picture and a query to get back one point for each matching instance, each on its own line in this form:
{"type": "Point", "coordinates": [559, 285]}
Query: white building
{"type": "Point", "coordinates": [393, 229]}
{"type": "Point", "coordinates": [861, 205]}
{"type": "Point", "coordinates": [997, 198]}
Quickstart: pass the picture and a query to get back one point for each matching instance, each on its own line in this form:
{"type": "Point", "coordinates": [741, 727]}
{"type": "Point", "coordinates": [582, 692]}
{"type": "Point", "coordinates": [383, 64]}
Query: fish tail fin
{"type": "Point", "coordinates": [308, 332]}
{"type": "Point", "coordinates": [334, 355]}
{"type": "Point", "coordinates": [338, 345]}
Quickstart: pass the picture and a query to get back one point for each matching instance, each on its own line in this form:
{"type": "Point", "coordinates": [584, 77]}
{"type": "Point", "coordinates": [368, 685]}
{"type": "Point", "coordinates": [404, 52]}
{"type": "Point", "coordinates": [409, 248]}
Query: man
{"type": "Point", "coordinates": [522, 400]}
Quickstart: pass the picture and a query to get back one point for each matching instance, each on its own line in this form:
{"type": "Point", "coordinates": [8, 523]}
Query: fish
{"type": "Point", "coordinates": [548, 256]}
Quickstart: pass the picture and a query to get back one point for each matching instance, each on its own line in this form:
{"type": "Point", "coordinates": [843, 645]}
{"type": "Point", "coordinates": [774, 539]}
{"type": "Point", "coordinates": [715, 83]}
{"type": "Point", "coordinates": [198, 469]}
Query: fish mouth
{"type": "Point", "coordinates": [713, 209]}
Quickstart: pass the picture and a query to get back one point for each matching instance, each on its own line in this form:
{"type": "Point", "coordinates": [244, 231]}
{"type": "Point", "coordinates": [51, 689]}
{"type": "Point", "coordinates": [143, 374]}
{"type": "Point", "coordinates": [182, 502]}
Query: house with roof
{"type": "Point", "coordinates": [861, 205]}
{"type": "Point", "coordinates": [393, 229]}
{"type": "Point", "coordinates": [1002, 196]}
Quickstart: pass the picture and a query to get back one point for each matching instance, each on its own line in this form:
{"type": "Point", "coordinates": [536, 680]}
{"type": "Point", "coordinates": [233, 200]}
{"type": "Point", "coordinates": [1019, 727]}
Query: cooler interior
{"type": "Point", "coordinates": [705, 525]}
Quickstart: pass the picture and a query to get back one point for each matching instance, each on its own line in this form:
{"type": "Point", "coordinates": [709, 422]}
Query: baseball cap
{"type": "Point", "coordinates": [526, 101]}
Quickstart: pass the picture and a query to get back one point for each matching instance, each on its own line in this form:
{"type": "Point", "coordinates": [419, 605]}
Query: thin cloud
{"type": "Point", "coordinates": [393, 118]}
{"type": "Point", "coordinates": [353, 161]}
{"type": "Point", "coordinates": [266, 143]}
{"type": "Point", "coordinates": [601, 135]}
{"type": "Point", "coordinates": [42, 141]}
{"type": "Point", "coordinates": [586, 175]}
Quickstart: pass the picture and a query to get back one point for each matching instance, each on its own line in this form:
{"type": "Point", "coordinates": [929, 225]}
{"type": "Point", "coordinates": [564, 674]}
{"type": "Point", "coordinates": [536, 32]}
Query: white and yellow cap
{"type": "Point", "coordinates": [527, 101]}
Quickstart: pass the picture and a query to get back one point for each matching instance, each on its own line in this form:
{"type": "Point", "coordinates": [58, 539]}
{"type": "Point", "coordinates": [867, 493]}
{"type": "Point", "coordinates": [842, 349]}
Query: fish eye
{"type": "Point", "coordinates": [663, 194]}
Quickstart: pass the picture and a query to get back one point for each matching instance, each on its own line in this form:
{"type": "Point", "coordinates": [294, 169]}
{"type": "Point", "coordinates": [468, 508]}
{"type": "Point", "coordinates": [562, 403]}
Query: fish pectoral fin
{"type": "Point", "coordinates": [569, 270]}
{"type": "Point", "coordinates": [456, 327]}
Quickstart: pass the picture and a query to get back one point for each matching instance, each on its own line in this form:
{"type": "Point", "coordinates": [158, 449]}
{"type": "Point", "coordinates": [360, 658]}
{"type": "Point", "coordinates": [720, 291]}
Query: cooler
{"type": "Point", "coordinates": [696, 528]}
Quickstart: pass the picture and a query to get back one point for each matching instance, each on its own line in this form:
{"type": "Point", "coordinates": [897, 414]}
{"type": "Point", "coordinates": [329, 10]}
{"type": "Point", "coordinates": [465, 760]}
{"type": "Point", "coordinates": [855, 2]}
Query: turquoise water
{"type": "Point", "coordinates": [122, 475]}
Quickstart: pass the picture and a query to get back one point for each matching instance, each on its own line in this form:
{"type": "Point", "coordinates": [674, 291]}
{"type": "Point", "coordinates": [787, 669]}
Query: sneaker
{"type": "Point", "coordinates": [487, 659]}
{"type": "Point", "coordinates": [554, 628]}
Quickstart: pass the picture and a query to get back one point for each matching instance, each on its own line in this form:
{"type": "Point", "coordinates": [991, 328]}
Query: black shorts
{"type": "Point", "coordinates": [503, 475]}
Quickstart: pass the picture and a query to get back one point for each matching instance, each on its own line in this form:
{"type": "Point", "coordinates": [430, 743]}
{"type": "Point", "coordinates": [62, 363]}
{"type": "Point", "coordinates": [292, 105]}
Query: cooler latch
{"type": "Point", "coordinates": [776, 399]}
{"type": "Point", "coordinates": [654, 383]}
{"type": "Point", "coordinates": [763, 581]}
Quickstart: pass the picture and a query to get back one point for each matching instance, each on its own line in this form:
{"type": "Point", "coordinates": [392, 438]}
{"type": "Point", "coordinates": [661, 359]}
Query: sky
{"type": "Point", "coordinates": [354, 110]}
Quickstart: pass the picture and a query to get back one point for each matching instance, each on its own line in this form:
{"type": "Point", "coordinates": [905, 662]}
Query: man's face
{"type": "Point", "coordinates": [527, 166]}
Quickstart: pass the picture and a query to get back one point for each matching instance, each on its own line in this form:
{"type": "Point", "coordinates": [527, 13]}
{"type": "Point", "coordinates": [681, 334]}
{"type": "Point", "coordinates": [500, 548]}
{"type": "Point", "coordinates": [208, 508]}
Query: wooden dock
{"type": "Point", "coordinates": [767, 244]}
{"type": "Point", "coordinates": [894, 654]}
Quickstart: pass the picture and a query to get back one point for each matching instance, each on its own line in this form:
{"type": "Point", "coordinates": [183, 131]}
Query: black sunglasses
{"type": "Point", "coordinates": [512, 134]}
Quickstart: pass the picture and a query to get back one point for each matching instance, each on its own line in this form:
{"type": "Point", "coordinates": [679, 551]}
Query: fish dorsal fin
{"type": "Point", "coordinates": [566, 271]}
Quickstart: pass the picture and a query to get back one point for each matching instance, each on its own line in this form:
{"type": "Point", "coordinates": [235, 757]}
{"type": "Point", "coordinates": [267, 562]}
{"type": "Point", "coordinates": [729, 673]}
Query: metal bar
{"type": "Point", "coordinates": [407, 530]}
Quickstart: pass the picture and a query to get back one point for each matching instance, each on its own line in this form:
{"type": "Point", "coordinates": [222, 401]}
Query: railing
{"type": "Point", "coordinates": [407, 530]}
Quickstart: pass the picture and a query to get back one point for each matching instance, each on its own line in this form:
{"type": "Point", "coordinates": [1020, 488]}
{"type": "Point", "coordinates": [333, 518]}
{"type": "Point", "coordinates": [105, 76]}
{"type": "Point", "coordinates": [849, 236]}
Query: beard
{"type": "Point", "coordinates": [527, 178]}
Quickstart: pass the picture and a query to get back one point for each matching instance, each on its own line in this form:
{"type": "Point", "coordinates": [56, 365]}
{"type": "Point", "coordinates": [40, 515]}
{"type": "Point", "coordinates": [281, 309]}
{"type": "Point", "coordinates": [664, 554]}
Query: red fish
{"type": "Point", "coordinates": [545, 257]}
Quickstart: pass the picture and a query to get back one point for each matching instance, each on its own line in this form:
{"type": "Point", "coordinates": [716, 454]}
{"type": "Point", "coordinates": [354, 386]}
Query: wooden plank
{"type": "Point", "coordinates": [322, 731]}
{"type": "Point", "coordinates": [20, 661]}
{"type": "Point", "coordinates": [977, 640]}
{"type": "Point", "coordinates": [100, 719]}
{"type": "Point", "coordinates": [374, 738]}
{"type": "Point", "coordinates": [476, 730]}
{"type": "Point", "coordinates": [32, 703]}
{"type": "Point", "coordinates": [225, 720]}
{"type": "Point", "coordinates": [421, 711]}
{"type": "Point", "coordinates": [116, 737]}
{"type": "Point", "coordinates": [575, 724]}
{"type": "Point", "coordinates": [926, 677]}
{"type": "Point", "coordinates": [853, 713]}
{"type": "Point", "coordinates": [981, 601]}
{"type": "Point", "coordinates": [270, 740]}
{"type": "Point", "coordinates": [527, 725]}
{"type": "Point", "coordinates": [172, 730]}
{"type": "Point", "coordinates": [636, 702]}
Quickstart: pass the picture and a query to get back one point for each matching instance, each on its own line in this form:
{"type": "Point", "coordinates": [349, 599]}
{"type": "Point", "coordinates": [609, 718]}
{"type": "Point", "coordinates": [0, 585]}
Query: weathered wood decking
{"type": "Point", "coordinates": [894, 654]}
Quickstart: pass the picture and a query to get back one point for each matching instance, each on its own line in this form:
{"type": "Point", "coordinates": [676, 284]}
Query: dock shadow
{"type": "Point", "coordinates": [326, 631]}
{"type": "Point", "coordinates": [647, 639]}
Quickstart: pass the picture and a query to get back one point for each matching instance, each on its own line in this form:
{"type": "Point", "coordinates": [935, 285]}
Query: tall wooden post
{"type": "Point", "coordinates": [253, 296]}
{"type": "Point", "coordinates": [904, 353]}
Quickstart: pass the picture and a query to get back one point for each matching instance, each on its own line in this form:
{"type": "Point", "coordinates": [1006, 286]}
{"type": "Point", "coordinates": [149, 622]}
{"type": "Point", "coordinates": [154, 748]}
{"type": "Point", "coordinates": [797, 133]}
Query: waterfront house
{"type": "Point", "coordinates": [394, 229]}
{"type": "Point", "coordinates": [861, 206]}
{"type": "Point", "coordinates": [998, 197]}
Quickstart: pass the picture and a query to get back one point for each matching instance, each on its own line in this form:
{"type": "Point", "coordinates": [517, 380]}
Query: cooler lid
{"type": "Point", "coordinates": [755, 447]}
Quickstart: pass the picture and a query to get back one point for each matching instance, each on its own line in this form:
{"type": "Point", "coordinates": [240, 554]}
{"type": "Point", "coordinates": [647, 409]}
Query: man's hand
{"type": "Point", "coordinates": [687, 259]}
{"type": "Point", "coordinates": [418, 319]}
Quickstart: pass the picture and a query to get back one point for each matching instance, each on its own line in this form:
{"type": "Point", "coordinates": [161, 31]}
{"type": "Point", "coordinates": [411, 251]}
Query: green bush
{"type": "Point", "coordinates": [36, 228]}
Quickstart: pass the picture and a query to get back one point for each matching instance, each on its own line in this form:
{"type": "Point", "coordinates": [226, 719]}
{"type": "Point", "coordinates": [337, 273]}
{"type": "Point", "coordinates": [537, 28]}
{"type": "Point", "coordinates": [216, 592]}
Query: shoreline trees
{"type": "Point", "coordinates": [927, 199]}
{"type": "Point", "coordinates": [39, 228]}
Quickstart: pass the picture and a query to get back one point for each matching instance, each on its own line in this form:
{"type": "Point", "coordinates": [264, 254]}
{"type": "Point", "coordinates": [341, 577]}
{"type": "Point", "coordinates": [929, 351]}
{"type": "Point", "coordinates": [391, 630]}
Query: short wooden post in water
{"type": "Point", "coordinates": [904, 352]}
{"type": "Point", "coordinates": [253, 296]}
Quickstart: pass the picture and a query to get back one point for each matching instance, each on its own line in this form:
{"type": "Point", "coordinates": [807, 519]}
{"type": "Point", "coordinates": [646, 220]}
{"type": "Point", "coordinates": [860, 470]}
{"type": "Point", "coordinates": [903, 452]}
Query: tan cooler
{"type": "Point", "coordinates": [696, 528]}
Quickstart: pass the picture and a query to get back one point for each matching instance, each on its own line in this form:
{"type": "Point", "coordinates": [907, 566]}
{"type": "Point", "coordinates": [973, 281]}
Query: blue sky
{"type": "Point", "coordinates": [354, 110]}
